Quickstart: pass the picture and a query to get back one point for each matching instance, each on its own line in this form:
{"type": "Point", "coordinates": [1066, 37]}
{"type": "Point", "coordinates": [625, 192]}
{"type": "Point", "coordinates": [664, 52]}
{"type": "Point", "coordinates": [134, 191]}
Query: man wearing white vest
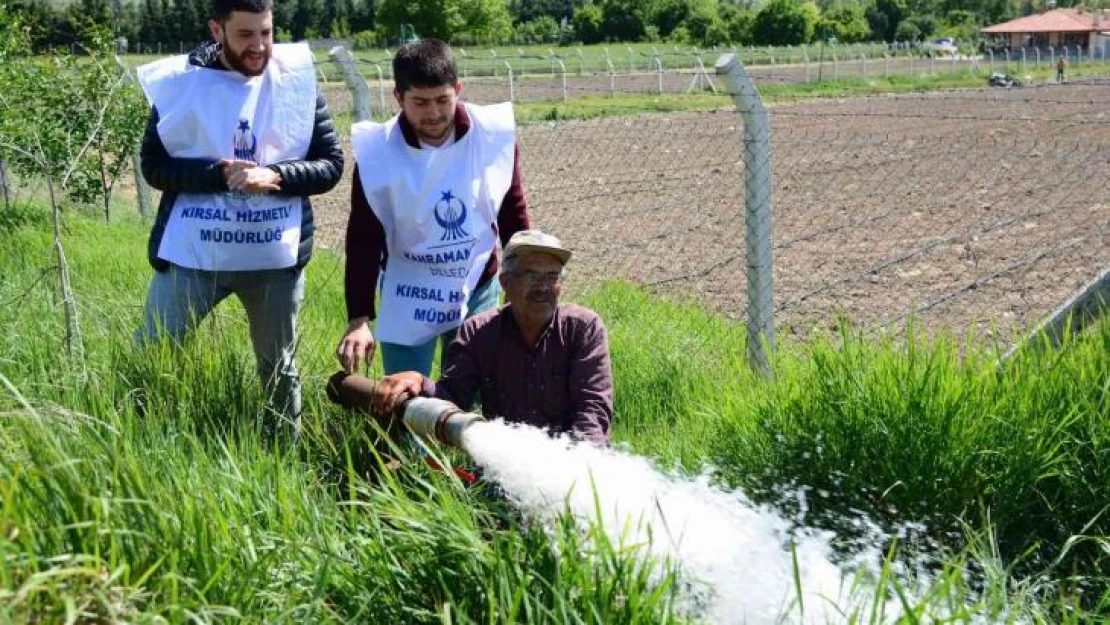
{"type": "Point", "coordinates": [435, 187]}
{"type": "Point", "coordinates": [238, 138]}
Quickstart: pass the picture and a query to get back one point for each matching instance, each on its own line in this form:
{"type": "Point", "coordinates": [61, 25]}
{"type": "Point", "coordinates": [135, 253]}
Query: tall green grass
{"type": "Point", "coordinates": [136, 484]}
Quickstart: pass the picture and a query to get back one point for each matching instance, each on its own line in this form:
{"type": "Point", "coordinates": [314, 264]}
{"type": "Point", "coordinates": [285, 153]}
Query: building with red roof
{"type": "Point", "coordinates": [1056, 28]}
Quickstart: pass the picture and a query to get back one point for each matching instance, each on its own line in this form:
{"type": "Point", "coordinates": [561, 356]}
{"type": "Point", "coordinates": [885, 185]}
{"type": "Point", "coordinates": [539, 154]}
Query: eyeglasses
{"type": "Point", "coordinates": [536, 278]}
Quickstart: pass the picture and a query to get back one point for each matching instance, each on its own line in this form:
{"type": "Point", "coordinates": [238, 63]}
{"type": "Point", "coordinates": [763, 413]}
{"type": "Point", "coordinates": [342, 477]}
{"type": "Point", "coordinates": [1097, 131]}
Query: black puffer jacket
{"type": "Point", "coordinates": [318, 173]}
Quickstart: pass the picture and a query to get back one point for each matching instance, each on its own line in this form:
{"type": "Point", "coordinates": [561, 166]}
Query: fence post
{"type": "Point", "coordinates": [356, 84]}
{"type": "Point", "coordinates": [805, 61]}
{"type": "Point", "coordinates": [659, 72]}
{"type": "Point", "coordinates": [5, 185]}
{"type": "Point", "coordinates": [512, 86]}
{"type": "Point", "coordinates": [381, 89]}
{"type": "Point", "coordinates": [463, 62]}
{"type": "Point", "coordinates": [612, 76]}
{"type": "Point", "coordinates": [1038, 51]}
{"type": "Point", "coordinates": [758, 215]}
{"type": "Point", "coordinates": [699, 75]}
{"type": "Point", "coordinates": [563, 69]}
{"type": "Point", "coordinates": [631, 66]}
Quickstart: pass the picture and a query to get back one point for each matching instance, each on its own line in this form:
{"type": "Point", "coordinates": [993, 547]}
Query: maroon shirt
{"type": "Point", "coordinates": [563, 384]}
{"type": "Point", "coordinates": [366, 250]}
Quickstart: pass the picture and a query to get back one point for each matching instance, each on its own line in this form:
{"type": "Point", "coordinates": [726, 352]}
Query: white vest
{"type": "Point", "coordinates": [437, 207]}
{"type": "Point", "coordinates": [212, 114]}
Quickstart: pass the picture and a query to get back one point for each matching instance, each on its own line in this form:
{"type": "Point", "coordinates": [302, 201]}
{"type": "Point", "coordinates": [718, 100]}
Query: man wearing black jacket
{"type": "Point", "coordinates": [237, 141]}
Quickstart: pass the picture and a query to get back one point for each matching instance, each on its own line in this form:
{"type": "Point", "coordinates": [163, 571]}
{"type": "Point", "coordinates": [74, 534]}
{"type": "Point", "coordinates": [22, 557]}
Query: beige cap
{"type": "Point", "coordinates": [536, 241]}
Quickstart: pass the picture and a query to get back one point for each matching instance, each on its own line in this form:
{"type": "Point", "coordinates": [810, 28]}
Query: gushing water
{"type": "Point", "coordinates": [739, 551]}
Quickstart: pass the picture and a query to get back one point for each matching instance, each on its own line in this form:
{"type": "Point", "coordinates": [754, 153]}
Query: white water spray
{"type": "Point", "coordinates": [739, 550]}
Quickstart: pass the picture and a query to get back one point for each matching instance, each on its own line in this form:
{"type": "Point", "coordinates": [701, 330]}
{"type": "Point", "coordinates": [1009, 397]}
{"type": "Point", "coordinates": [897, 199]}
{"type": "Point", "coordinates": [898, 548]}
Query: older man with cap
{"type": "Point", "coordinates": [533, 361]}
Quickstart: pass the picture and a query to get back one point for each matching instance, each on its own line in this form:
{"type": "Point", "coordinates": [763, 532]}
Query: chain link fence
{"type": "Point", "coordinates": [966, 210]}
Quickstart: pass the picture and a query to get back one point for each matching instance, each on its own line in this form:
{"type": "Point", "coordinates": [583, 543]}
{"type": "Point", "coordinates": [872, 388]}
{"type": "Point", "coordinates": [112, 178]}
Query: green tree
{"type": "Point", "coordinates": [622, 20]}
{"type": "Point", "coordinates": [336, 18]}
{"type": "Point", "coordinates": [94, 12]}
{"type": "Point", "coordinates": [706, 28]}
{"type": "Point", "coordinates": [188, 22]}
{"type": "Point", "coordinates": [907, 31]}
{"type": "Point", "coordinates": [925, 26]}
{"type": "Point", "coordinates": [960, 24]}
{"type": "Point", "coordinates": [430, 18]}
{"type": "Point", "coordinates": [487, 21]}
{"type": "Point", "coordinates": [306, 19]}
{"type": "Point", "coordinates": [587, 24]}
{"type": "Point", "coordinates": [738, 23]}
{"type": "Point", "coordinates": [68, 121]}
{"type": "Point", "coordinates": [847, 23]}
{"type": "Point", "coordinates": [153, 23]}
{"type": "Point", "coordinates": [362, 15]}
{"type": "Point", "coordinates": [783, 22]}
{"type": "Point", "coordinates": [283, 16]}
{"type": "Point", "coordinates": [130, 22]}
{"type": "Point", "coordinates": [666, 15]}
{"type": "Point", "coordinates": [477, 20]}
{"type": "Point", "coordinates": [524, 11]}
{"type": "Point", "coordinates": [543, 29]}
{"type": "Point", "coordinates": [884, 16]}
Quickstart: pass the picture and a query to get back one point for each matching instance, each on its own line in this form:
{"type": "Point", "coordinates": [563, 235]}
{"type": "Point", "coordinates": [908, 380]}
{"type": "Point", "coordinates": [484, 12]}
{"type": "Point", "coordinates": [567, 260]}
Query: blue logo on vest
{"type": "Point", "coordinates": [450, 214]}
{"type": "Point", "coordinates": [243, 145]}
{"type": "Point", "coordinates": [244, 142]}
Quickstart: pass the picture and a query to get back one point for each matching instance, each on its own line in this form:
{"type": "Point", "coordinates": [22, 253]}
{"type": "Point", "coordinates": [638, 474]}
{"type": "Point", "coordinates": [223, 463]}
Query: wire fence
{"type": "Point", "coordinates": [974, 210]}
{"type": "Point", "coordinates": [970, 210]}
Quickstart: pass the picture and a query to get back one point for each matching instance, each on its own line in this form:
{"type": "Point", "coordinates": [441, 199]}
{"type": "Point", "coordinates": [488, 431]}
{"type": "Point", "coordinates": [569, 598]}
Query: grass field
{"type": "Point", "coordinates": [134, 484]}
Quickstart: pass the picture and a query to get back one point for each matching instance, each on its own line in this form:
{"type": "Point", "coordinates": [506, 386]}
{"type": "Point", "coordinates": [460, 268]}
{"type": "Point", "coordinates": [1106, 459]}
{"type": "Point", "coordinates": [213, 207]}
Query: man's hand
{"type": "Point", "coordinates": [357, 345]}
{"type": "Point", "coordinates": [248, 177]}
{"type": "Point", "coordinates": [391, 390]}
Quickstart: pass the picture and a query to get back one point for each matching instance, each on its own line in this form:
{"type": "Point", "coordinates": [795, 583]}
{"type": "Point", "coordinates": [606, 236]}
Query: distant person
{"type": "Point", "coordinates": [1061, 67]}
{"type": "Point", "coordinates": [238, 138]}
{"type": "Point", "coordinates": [434, 189]}
{"type": "Point", "coordinates": [534, 361]}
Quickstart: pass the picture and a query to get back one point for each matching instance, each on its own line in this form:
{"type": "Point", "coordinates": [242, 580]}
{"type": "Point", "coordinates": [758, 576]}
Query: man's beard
{"type": "Point", "coordinates": [447, 128]}
{"type": "Point", "coordinates": [235, 61]}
